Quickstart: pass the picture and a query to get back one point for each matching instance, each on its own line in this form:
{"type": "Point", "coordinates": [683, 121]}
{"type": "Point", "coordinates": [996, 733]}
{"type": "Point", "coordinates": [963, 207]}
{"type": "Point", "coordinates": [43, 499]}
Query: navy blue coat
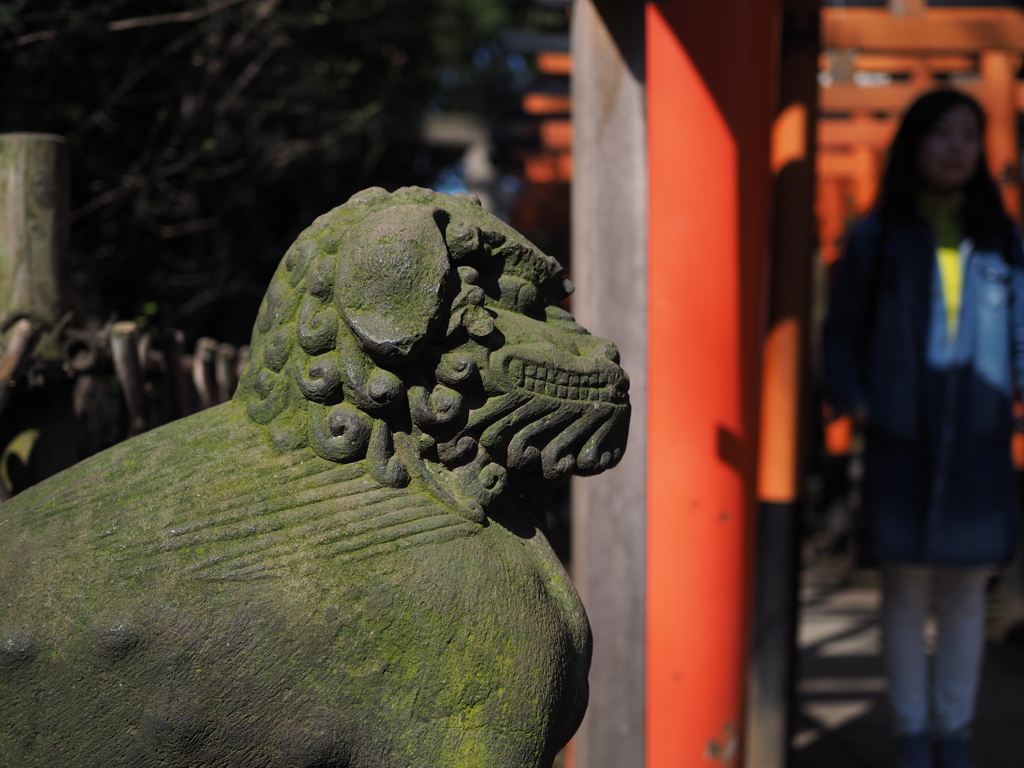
{"type": "Point", "coordinates": [938, 476]}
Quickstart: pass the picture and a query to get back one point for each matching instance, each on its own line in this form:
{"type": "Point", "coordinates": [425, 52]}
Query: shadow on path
{"type": "Point", "coordinates": [843, 720]}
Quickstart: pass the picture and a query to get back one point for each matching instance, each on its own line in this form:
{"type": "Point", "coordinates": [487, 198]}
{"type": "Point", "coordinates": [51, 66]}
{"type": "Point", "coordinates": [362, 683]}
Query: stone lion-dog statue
{"type": "Point", "coordinates": [342, 567]}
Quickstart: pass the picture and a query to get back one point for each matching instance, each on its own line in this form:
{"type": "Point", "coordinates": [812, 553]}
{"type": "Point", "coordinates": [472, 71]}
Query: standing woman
{"type": "Point", "coordinates": [924, 344]}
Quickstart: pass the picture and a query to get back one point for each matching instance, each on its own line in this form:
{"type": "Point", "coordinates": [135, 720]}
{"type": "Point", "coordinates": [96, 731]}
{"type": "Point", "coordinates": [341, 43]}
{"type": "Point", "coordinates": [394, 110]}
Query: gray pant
{"type": "Point", "coordinates": [958, 597]}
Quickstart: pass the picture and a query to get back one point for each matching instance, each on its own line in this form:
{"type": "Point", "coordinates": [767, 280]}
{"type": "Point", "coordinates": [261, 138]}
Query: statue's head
{"type": "Point", "coordinates": [420, 334]}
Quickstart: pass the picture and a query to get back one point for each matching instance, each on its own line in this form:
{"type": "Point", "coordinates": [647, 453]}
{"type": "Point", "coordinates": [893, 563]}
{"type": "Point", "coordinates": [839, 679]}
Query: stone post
{"type": "Point", "coordinates": [609, 263]}
{"type": "Point", "coordinates": [34, 230]}
{"type": "Point", "coordinates": [34, 218]}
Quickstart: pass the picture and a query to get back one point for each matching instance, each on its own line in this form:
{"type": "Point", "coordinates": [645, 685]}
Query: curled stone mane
{"type": "Point", "coordinates": [421, 335]}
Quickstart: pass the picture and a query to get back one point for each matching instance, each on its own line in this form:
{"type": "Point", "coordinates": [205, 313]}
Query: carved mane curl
{"type": "Point", "coordinates": [377, 342]}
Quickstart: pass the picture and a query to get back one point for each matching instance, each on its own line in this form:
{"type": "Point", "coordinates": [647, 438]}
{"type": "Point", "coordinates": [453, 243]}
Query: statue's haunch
{"type": "Point", "coordinates": [341, 567]}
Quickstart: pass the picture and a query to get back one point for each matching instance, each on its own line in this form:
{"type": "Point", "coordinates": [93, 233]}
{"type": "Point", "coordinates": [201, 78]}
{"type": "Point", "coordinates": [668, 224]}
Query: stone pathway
{"type": "Point", "coordinates": [842, 721]}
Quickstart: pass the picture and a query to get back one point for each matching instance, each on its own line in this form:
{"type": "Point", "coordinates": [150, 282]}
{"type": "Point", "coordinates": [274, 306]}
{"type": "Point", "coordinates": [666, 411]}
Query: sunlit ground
{"type": "Point", "coordinates": [843, 719]}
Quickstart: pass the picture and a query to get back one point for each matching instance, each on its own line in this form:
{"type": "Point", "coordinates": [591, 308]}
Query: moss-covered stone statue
{"type": "Point", "coordinates": [341, 567]}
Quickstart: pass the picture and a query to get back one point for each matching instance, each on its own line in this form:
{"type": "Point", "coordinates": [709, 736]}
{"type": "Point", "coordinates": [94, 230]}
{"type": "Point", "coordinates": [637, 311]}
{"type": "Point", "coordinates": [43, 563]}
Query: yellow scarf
{"type": "Point", "coordinates": [943, 213]}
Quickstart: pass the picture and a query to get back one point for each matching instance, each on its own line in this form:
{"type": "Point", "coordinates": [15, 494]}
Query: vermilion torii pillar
{"type": "Point", "coordinates": [711, 75]}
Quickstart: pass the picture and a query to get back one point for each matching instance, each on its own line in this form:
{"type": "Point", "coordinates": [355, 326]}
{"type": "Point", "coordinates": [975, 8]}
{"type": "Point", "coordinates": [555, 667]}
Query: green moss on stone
{"type": "Point", "coordinates": [341, 567]}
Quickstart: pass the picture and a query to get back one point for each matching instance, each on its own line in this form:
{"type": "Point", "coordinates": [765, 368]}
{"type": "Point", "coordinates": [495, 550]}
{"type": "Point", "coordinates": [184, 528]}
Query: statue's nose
{"type": "Point", "coordinates": [608, 350]}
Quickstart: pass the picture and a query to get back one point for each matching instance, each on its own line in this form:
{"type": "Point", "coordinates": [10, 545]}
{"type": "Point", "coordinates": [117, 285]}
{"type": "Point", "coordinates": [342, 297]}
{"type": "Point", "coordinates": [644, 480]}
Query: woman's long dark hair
{"type": "Point", "coordinates": [983, 216]}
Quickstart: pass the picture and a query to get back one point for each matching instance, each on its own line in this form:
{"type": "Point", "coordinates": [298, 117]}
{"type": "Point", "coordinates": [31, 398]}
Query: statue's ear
{"type": "Point", "coordinates": [391, 277]}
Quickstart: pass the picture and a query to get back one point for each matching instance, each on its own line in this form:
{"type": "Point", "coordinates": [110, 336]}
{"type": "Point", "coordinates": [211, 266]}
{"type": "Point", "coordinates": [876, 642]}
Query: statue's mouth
{"type": "Point", "coordinates": [549, 412]}
{"type": "Point", "coordinates": [546, 371]}
{"type": "Point", "coordinates": [555, 382]}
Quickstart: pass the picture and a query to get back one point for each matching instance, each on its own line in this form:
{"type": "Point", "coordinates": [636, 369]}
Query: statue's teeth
{"type": "Point", "coordinates": [515, 369]}
{"type": "Point", "coordinates": [560, 383]}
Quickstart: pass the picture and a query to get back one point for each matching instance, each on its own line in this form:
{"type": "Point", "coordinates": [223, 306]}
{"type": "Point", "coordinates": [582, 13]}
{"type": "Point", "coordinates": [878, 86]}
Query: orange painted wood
{"type": "Point", "coordinates": [949, 30]}
{"type": "Point", "coordinates": [866, 174]}
{"type": "Point", "coordinates": [554, 63]}
{"type": "Point", "coordinates": [894, 63]}
{"type": "Point", "coordinates": [1017, 443]}
{"type": "Point", "coordinates": [569, 754]}
{"type": "Point", "coordinates": [895, 98]}
{"type": "Point", "coordinates": [710, 76]}
{"type": "Point", "coordinates": [998, 69]}
{"type": "Point", "coordinates": [789, 137]}
{"type": "Point", "coordinates": [777, 471]}
{"type": "Point", "coordinates": [834, 164]}
{"type": "Point", "coordinates": [556, 134]}
{"type": "Point", "coordinates": [861, 167]}
{"type": "Point", "coordinates": [839, 436]}
{"type": "Point", "coordinates": [831, 209]}
{"type": "Point", "coordinates": [548, 168]}
{"type": "Point", "coordinates": [546, 104]}
{"type": "Point", "coordinates": [563, 163]}
{"type": "Point", "coordinates": [877, 134]}
{"type": "Point", "coordinates": [847, 97]}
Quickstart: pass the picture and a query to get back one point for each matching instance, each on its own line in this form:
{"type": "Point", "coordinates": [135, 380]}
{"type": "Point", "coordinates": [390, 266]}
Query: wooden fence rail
{"type": "Point", "coordinates": [56, 367]}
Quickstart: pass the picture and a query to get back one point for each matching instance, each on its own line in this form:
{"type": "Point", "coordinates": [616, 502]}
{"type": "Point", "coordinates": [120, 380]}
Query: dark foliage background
{"type": "Point", "coordinates": [205, 136]}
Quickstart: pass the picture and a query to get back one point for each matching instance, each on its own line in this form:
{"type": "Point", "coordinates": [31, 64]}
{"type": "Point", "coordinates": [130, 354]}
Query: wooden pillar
{"type": "Point", "coordinates": [866, 174]}
{"type": "Point", "coordinates": [998, 72]}
{"type": "Point", "coordinates": [34, 216]}
{"type": "Point", "coordinates": [124, 349]}
{"type": "Point", "coordinates": [711, 74]}
{"type": "Point", "coordinates": [782, 444]}
{"type": "Point", "coordinates": [830, 210]}
{"type": "Point", "coordinates": [33, 224]}
{"type": "Point", "coordinates": [609, 238]}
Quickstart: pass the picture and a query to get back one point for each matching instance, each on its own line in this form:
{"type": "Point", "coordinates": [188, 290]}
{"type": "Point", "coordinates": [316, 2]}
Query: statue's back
{"type": "Point", "coordinates": [341, 566]}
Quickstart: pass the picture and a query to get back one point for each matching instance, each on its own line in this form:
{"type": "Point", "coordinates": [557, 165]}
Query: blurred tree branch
{"type": "Point", "coordinates": [170, 18]}
{"type": "Point", "coordinates": [206, 134]}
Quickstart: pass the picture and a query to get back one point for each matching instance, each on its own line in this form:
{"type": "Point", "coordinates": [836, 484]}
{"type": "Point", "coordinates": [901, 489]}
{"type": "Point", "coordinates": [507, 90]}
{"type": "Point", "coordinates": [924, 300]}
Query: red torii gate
{"type": "Point", "coordinates": [672, 110]}
{"type": "Point", "coordinates": [672, 241]}
{"type": "Point", "coordinates": [977, 50]}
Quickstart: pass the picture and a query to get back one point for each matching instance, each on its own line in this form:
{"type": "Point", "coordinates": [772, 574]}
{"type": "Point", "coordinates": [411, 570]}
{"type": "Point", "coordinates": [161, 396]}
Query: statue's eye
{"type": "Point", "coordinates": [555, 312]}
{"type": "Point", "coordinates": [528, 302]}
{"type": "Point", "coordinates": [564, 320]}
{"type": "Point", "coordinates": [517, 295]}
